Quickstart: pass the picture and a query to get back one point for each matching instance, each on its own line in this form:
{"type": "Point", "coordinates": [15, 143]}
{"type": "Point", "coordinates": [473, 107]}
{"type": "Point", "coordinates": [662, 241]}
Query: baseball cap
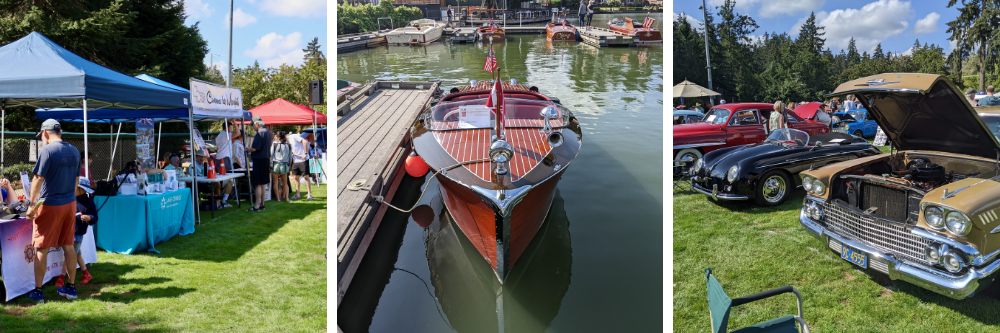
{"type": "Point", "coordinates": [49, 125]}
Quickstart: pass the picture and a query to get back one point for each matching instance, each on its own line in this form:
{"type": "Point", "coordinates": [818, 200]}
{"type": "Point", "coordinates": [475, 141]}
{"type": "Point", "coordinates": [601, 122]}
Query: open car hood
{"type": "Point", "coordinates": [923, 112]}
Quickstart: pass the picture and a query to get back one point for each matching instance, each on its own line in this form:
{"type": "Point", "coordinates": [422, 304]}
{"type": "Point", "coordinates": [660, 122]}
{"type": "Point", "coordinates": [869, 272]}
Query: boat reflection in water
{"type": "Point", "coordinates": [471, 297]}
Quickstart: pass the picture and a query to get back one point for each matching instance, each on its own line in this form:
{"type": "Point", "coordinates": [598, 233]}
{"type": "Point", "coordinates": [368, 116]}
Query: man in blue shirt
{"type": "Point", "coordinates": [53, 205]}
{"type": "Point", "coordinates": [989, 100]}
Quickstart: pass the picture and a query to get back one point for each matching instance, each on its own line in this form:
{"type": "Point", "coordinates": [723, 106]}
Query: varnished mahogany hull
{"type": "Point", "coordinates": [496, 37]}
{"type": "Point", "coordinates": [480, 221]}
{"type": "Point", "coordinates": [558, 32]}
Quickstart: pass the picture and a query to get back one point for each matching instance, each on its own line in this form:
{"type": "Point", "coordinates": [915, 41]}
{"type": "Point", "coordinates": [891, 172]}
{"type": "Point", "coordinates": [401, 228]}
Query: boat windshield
{"type": "Point", "coordinates": [716, 116]}
{"type": "Point", "coordinates": [473, 114]}
{"type": "Point", "coordinates": [789, 136]}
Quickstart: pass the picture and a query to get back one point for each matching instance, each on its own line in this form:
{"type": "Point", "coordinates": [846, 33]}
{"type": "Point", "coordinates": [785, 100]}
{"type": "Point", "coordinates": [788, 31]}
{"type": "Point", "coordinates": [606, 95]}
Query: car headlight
{"type": "Point", "coordinates": [807, 183]}
{"type": "Point", "coordinates": [847, 127]}
{"type": "Point", "coordinates": [698, 165]}
{"type": "Point", "coordinates": [957, 223]}
{"type": "Point", "coordinates": [934, 217]}
{"type": "Point", "coordinates": [733, 172]}
{"type": "Point", "coordinates": [931, 255]}
{"type": "Point", "coordinates": [951, 262]}
{"type": "Point", "coordinates": [818, 187]}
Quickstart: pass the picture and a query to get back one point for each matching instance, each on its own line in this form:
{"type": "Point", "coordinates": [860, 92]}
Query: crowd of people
{"type": "Point", "coordinates": [61, 208]}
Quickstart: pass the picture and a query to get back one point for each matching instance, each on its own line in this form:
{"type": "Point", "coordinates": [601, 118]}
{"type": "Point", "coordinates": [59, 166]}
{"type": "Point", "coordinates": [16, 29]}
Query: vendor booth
{"type": "Point", "coordinates": [38, 73]}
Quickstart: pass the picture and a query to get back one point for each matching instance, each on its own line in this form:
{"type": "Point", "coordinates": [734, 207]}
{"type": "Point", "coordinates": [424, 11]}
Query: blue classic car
{"type": "Point", "coordinates": [854, 122]}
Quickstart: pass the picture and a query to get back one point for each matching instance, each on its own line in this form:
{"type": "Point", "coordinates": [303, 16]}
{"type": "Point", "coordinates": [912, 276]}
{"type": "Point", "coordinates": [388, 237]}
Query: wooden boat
{"type": "Point", "coordinates": [560, 31]}
{"type": "Point", "coordinates": [488, 34]}
{"type": "Point", "coordinates": [418, 32]}
{"type": "Point", "coordinates": [473, 301]}
{"type": "Point", "coordinates": [498, 178]}
{"type": "Point", "coordinates": [640, 35]}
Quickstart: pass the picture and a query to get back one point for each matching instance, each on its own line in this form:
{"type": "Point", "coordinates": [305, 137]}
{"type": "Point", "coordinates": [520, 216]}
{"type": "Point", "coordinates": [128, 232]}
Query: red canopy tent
{"type": "Point", "coordinates": [282, 112]}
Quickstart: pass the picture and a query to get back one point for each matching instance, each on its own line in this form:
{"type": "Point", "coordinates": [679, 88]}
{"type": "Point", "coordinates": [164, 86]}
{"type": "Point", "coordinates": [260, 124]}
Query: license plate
{"type": "Point", "coordinates": [854, 256]}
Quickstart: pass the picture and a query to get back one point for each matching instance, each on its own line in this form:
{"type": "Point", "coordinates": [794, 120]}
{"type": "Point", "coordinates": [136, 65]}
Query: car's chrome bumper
{"type": "Point", "coordinates": [714, 193]}
{"type": "Point", "coordinates": [954, 286]}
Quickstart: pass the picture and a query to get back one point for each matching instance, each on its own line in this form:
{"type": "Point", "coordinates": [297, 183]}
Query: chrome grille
{"type": "Point", "coordinates": [883, 236]}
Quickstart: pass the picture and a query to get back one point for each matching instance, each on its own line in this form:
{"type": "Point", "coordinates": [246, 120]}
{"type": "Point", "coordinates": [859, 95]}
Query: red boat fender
{"type": "Point", "coordinates": [415, 166]}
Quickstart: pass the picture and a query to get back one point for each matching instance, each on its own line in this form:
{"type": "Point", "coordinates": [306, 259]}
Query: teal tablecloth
{"type": "Point", "coordinates": [134, 223]}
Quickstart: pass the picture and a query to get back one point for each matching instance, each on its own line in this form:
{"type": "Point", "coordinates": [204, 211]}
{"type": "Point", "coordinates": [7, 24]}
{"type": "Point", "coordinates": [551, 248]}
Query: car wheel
{"type": "Point", "coordinates": [859, 134]}
{"type": "Point", "coordinates": [691, 153]}
{"type": "Point", "coordinates": [773, 188]}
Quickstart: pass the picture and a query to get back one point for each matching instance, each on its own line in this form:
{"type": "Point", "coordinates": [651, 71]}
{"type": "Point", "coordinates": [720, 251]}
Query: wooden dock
{"type": "Point", "coordinates": [354, 42]}
{"type": "Point", "coordinates": [373, 140]}
{"type": "Point", "coordinates": [602, 37]}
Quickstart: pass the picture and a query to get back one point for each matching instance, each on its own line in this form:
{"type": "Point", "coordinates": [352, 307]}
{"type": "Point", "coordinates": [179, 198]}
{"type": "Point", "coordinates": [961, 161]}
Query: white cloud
{"type": "Point", "coordinates": [195, 9]}
{"type": "Point", "coordinates": [697, 25]}
{"type": "Point", "coordinates": [927, 24]}
{"type": "Point", "coordinates": [274, 49]}
{"type": "Point", "coordinates": [295, 8]}
{"type": "Point", "coordinates": [869, 25]}
{"type": "Point", "coordinates": [240, 19]}
{"type": "Point", "coordinates": [908, 51]}
{"type": "Point", "coordinates": [773, 8]}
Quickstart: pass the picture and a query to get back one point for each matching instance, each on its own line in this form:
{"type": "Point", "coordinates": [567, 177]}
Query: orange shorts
{"type": "Point", "coordinates": [54, 225]}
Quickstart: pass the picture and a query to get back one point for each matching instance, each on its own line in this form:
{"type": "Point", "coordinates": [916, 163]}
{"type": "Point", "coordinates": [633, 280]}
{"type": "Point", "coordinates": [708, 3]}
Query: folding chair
{"type": "Point", "coordinates": [719, 305]}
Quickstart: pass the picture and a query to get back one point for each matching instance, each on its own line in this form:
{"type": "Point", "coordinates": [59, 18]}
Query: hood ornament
{"type": "Point", "coordinates": [952, 193]}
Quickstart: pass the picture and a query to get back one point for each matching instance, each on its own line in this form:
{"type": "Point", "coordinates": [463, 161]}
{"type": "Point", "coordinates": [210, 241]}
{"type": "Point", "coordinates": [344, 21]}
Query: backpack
{"type": "Point", "coordinates": [280, 152]}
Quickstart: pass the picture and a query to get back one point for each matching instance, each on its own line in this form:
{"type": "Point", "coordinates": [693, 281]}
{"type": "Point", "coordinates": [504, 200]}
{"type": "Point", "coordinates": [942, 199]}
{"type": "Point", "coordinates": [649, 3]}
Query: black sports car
{"type": "Point", "coordinates": [765, 171]}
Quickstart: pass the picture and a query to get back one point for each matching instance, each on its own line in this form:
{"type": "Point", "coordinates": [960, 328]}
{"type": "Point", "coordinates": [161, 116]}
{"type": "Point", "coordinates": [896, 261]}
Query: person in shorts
{"type": "Point", "coordinates": [53, 205]}
{"type": "Point", "coordinates": [300, 163]}
{"type": "Point", "coordinates": [260, 158]}
{"type": "Point", "coordinates": [281, 158]}
{"type": "Point", "coordinates": [86, 215]}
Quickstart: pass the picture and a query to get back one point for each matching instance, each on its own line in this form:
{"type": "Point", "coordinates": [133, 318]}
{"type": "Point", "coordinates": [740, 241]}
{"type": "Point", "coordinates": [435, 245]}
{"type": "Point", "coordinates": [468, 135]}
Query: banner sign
{"type": "Point", "coordinates": [212, 100]}
{"type": "Point", "coordinates": [144, 139]}
{"type": "Point", "coordinates": [18, 264]}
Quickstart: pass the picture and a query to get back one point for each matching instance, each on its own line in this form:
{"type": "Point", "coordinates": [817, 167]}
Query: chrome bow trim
{"type": "Point", "coordinates": [502, 202]}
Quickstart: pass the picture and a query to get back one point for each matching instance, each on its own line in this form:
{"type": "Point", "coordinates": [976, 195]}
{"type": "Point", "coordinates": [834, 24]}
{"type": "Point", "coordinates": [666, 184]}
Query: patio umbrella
{"type": "Point", "coordinates": [690, 89]}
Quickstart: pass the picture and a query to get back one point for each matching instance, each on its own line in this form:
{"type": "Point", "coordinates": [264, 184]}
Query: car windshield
{"type": "Point", "coordinates": [716, 116]}
{"type": "Point", "coordinates": [789, 136]}
{"type": "Point", "coordinates": [857, 115]}
{"type": "Point", "coordinates": [992, 122]}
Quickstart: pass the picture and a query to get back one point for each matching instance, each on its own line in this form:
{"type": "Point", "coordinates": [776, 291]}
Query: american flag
{"type": "Point", "coordinates": [491, 60]}
{"type": "Point", "coordinates": [647, 23]}
{"type": "Point", "coordinates": [495, 101]}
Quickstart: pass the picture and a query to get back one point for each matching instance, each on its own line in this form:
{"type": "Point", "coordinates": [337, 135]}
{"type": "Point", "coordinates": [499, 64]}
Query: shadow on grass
{"type": "Point", "coordinates": [19, 319]}
{"type": "Point", "coordinates": [235, 231]}
{"type": "Point", "coordinates": [107, 276]}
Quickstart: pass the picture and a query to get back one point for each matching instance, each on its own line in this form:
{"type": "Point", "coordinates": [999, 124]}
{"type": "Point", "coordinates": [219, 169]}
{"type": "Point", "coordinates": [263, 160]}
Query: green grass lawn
{"type": "Point", "coordinates": [753, 249]}
{"type": "Point", "coordinates": [259, 272]}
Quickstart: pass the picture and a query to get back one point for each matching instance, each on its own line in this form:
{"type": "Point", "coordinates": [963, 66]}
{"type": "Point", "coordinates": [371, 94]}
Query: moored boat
{"type": "Point", "coordinates": [418, 32]}
{"type": "Point", "coordinates": [490, 33]}
{"type": "Point", "coordinates": [644, 34]}
{"type": "Point", "coordinates": [498, 149]}
{"type": "Point", "coordinates": [562, 31]}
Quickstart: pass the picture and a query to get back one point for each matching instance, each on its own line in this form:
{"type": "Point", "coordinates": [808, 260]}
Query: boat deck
{"type": "Point", "coordinates": [360, 41]}
{"type": "Point", "coordinates": [602, 37]}
{"type": "Point", "coordinates": [372, 143]}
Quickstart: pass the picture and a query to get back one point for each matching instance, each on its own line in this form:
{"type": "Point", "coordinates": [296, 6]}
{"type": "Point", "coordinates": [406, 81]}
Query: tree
{"type": "Point", "coordinates": [733, 30]}
{"type": "Point", "coordinates": [811, 36]}
{"type": "Point", "coordinates": [313, 54]}
{"type": "Point", "coordinates": [975, 25]}
{"type": "Point", "coordinates": [853, 57]}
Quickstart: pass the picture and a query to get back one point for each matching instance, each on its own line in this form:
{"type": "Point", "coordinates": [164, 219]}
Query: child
{"type": "Point", "coordinates": [86, 215]}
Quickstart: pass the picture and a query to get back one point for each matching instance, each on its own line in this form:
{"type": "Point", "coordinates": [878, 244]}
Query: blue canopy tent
{"type": "Point", "coordinates": [36, 72]}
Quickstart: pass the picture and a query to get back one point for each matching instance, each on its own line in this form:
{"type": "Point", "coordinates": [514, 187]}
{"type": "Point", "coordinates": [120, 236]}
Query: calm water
{"type": "Point", "coordinates": [596, 264]}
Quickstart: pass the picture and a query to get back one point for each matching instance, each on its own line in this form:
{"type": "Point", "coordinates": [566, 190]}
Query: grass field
{"type": "Point", "coordinates": [259, 272]}
{"type": "Point", "coordinates": [752, 249]}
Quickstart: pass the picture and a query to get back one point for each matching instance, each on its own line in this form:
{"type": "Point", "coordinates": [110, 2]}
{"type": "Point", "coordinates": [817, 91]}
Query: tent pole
{"type": "Point", "coordinates": [114, 148]}
{"type": "Point", "coordinates": [193, 168]}
{"type": "Point", "coordinates": [159, 136]}
{"type": "Point", "coordinates": [86, 147]}
{"type": "Point", "coordinates": [3, 130]}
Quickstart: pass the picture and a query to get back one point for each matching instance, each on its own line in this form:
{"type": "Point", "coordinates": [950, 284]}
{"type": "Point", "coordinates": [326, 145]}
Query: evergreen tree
{"type": "Point", "coordinates": [977, 22]}
{"type": "Point", "coordinates": [313, 54]}
{"type": "Point", "coordinates": [853, 58]}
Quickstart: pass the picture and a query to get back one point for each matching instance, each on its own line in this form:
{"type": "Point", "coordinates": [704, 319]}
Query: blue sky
{"type": "Point", "coordinates": [269, 31]}
{"type": "Point", "coordinates": [894, 23]}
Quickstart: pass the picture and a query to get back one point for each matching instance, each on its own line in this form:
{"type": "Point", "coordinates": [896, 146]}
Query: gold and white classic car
{"type": "Point", "coordinates": [929, 211]}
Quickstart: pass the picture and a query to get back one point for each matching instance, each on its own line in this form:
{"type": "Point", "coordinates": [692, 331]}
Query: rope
{"type": "Point", "coordinates": [381, 199]}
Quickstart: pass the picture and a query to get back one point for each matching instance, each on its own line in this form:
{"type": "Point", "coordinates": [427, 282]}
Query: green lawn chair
{"type": "Point", "coordinates": [719, 305]}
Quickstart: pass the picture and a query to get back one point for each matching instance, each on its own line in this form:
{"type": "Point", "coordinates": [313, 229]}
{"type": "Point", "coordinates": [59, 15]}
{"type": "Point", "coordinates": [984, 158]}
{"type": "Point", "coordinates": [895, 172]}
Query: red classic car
{"type": "Point", "coordinates": [730, 125]}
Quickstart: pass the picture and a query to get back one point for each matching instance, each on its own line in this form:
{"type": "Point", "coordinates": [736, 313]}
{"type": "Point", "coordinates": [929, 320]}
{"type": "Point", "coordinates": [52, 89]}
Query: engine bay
{"type": "Point", "coordinates": [924, 172]}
